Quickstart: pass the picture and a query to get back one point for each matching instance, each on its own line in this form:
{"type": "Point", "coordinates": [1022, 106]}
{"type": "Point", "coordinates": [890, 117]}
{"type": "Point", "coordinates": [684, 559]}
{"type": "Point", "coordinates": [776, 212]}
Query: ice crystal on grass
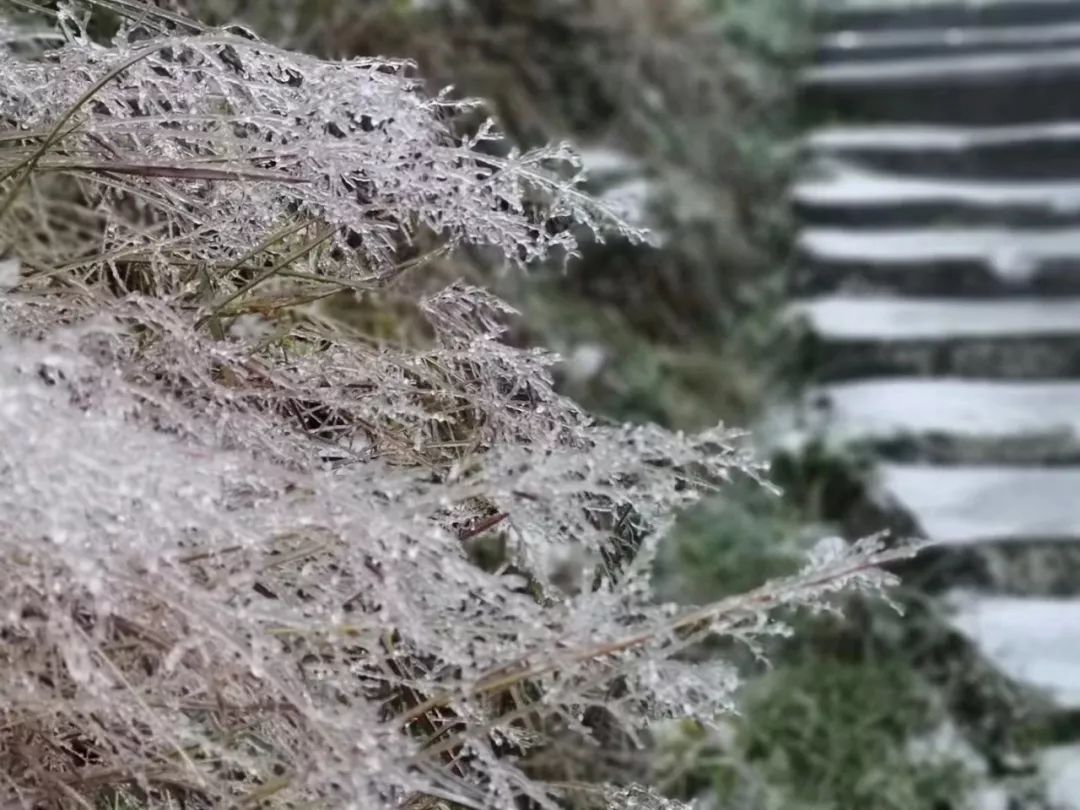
{"type": "Point", "coordinates": [250, 137]}
{"type": "Point", "coordinates": [305, 563]}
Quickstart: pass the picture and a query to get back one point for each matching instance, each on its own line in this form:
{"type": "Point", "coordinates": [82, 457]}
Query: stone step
{"type": "Point", "coordinates": [950, 421]}
{"type": "Point", "coordinates": [1060, 770]}
{"type": "Point", "coordinates": [1003, 88]}
{"type": "Point", "coordinates": [1029, 151]}
{"type": "Point", "coordinates": [940, 261]}
{"type": "Point", "coordinates": [1036, 642]}
{"type": "Point", "coordinates": [1004, 529]}
{"type": "Point", "coordinates": [982, 504]}
{"type": "Point", "coordinates": [882, 318]}
{"type": "Point", "coordinates": [843, 194]}
{"type": "Point", "coordinates": [878, 15]}
{"type": "Point", "coordinates": [852, 336]}
{"type": "Point", "coordinates": [845, 46]}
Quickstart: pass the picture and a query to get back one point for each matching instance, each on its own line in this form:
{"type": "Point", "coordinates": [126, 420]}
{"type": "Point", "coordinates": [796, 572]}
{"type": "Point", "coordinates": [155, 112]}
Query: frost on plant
{"type": "Point", "coordinates": [251, 554]}
{"type": "Point", "coordinates": [217, 139]}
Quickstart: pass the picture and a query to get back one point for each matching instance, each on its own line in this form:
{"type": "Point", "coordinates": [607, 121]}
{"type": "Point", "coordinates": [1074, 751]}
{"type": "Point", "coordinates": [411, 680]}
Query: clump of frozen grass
{"type": "Point", "coordinates": [249, 556]}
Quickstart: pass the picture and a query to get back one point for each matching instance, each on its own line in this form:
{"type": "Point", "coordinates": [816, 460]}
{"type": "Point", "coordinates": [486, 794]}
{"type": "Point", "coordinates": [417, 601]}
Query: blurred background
{"type": "Point", "coordinates": [867, 253]}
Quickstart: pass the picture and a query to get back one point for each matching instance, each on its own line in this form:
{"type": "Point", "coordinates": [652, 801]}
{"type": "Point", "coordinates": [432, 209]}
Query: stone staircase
{"type": "Point", "coordinates": [939, 278]}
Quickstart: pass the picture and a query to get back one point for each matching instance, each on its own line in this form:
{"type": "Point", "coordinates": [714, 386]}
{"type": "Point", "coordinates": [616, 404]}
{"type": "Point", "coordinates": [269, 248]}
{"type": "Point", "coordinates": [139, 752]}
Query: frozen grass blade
{"type": "Point", "coordinates": [255, 555]}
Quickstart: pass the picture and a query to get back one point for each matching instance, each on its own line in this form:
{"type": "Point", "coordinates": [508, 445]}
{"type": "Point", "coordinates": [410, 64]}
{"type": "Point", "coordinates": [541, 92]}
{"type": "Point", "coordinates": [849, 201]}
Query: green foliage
{"type": "Point", "coordinates": [643, 378]}
{"type": "Point", "coordinates": [772, 31]}
{"type": "Point", "coordinates": [730, 544]}
{"type": "Point", "coordinates": [833, 725]}
{"type": "Point", "coordinates": [822, 482]}
{"type": "Point", "coordinates": [833, 735]}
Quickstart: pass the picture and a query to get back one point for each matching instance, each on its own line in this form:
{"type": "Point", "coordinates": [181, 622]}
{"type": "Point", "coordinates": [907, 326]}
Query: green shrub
{"type": "Point", "coordinates": [826, 734]}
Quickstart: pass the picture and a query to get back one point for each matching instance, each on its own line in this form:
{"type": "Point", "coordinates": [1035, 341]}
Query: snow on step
{"type": "Point", "coordinates": [977, 504]}
{"type": "Point", "coordinates": [980, 88]}
{"type": "Point", "coordinates": [998, 248]}
{"type": "Point", "coordinates": [878, 44]}
{"type": "Point", "coordinates": [847, 187]}
{"type": "Point", "coordinates": [1060, 769]}
{"type": "Point", "coordinates": [936, 13]}
{"type": "Point", "coordinates": [1013, 255]}
{"type": "Point", "coordinates": [919, 138]}
{"type": "Point", "coordinates": [884, 409]}
{"type": "Point", "coordinates": [1028, 151]}
{"type": "Point", "coordinates": [888, 318]}
{"type": "Point", "coordinates": [1033, 641]}
{"type": "Point", "coordinates": [962, 68]}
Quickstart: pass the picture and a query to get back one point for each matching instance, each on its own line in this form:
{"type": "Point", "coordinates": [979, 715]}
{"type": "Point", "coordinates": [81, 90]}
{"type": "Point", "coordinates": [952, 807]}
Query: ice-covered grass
{"type": "Point", "coordinates": [250, 554]}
